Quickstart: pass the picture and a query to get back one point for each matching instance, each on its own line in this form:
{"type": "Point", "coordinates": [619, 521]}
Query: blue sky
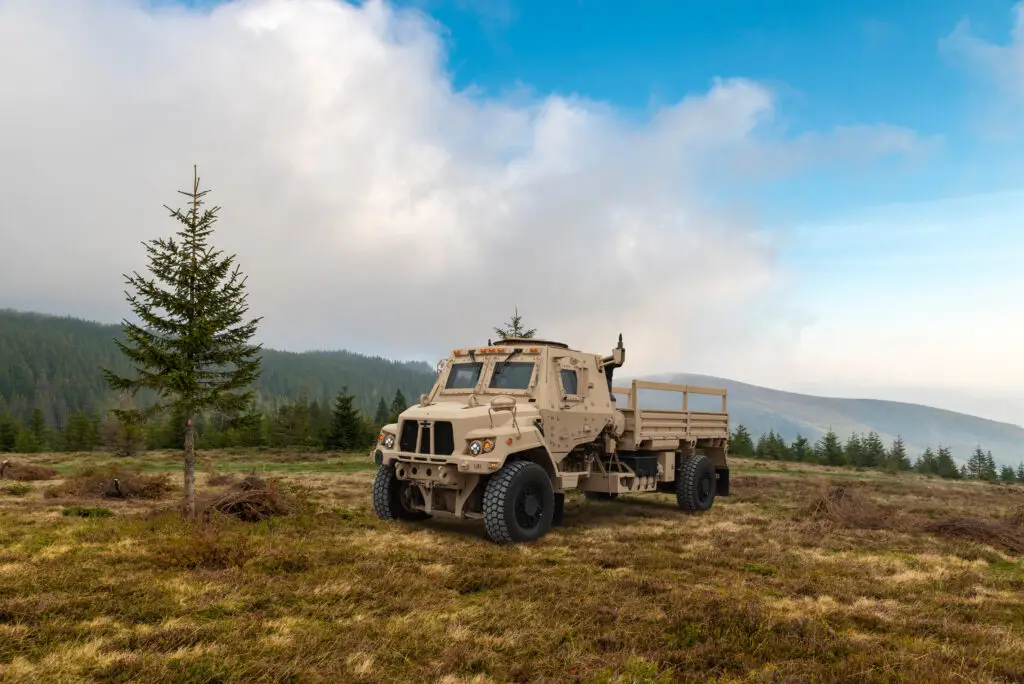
{"type": "Point", "coordinates": [814, 196]}
{"type": "Point", "coordinates": [832, 62]}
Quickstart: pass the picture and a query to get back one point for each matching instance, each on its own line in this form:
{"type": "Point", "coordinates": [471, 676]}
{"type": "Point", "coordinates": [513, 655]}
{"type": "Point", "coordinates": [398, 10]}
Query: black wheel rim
{"type": "Point", "coordinates": [405, 497]}
{"type": "Point", "coordinates": [704, 487]}
{"type": "Point", "coordinates": [529, 507]}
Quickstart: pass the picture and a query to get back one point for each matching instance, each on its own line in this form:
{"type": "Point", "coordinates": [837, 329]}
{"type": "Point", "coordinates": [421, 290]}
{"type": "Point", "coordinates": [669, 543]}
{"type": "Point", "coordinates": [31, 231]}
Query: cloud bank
{"type": "Point", "coordinates": [372, 205]}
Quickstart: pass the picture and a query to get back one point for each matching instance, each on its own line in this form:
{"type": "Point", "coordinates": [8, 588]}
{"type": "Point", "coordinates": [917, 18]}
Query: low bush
{"type": "Point", "coordinates": [111, 482]}
{"type": "Point", "coordinates": [26, 472]}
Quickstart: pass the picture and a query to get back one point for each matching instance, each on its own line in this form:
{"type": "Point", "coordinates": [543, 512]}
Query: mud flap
{"type": "Point", "coordinates": [722, 482]}
{"type": "Point", "coordinates": [556, 518]}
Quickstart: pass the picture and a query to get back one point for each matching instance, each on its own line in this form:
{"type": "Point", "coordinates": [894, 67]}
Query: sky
{"type": "Point", "coordinates": [821, 197]}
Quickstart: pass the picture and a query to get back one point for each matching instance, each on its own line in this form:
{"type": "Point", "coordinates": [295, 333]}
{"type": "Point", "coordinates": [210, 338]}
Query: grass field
{"type": "Point", "coordinates": [786, 580]}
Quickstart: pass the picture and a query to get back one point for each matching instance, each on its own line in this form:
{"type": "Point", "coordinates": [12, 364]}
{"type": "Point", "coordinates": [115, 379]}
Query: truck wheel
{"type": "Point", "coordinates": [392, 497]}
{"type": "Point", "coordinates": [695, 483]}
{"type": "Point", "coordinates": [518, 503]}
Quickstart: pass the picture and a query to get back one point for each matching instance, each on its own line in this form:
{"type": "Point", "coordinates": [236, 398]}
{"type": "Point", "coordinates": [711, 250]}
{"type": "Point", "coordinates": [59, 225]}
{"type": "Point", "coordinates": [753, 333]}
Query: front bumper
{"type": "Point", "coordinates": [465, 464]}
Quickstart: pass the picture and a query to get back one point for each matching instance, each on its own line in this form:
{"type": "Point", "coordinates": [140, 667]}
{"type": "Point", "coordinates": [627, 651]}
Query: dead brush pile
{"type": "Point", "coordinates": [26, 472]}
{"type": "Point", "coordinates": [996, 533]}
{"type": "Point", "coordinates": [251, 500]}
{"type": "Point", "coordinates": [846, 506]}
{"type": "Point", "coordinates": [1016, 519]}
{"type": "Point", "coordinates": [111, 482]}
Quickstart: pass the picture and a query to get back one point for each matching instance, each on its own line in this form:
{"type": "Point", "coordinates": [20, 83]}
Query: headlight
{"type": "Point", "coordinates": [481, 446]}
{"type": "Point", "coordinates": [386, 439]}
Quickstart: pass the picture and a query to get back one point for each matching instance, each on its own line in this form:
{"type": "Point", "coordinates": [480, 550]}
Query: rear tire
{"type": "Point", "coordinates": [695, 483]}
{"type": "Point", "coordinates": [391, 497]}
{"type": "Point", "coordinates": [519, 503]}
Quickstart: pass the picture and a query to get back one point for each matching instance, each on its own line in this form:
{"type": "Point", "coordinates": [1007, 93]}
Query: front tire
{"type": "Point", "coordinates": [392, 497]}
{"type": "Point", "coordinates": [695, 483]}
{"type": "Point", "coordinates": [519, 503]}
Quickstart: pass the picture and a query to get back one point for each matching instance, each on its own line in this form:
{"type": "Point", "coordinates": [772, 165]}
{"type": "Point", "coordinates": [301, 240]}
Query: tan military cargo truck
{"type": "Point", "coordinates": [508, 428]}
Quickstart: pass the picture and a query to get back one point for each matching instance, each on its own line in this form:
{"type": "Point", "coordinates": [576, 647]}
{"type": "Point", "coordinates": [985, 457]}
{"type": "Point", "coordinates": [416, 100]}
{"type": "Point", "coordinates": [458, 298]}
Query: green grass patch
{"type": "Point", "coordinates": [760, 569]}
{"type": "Point", "coordinates": [86, 512]}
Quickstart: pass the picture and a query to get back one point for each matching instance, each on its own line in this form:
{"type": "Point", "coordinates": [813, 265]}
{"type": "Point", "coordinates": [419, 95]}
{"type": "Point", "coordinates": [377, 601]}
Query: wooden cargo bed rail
{"type": "Point", "coordinates": [664, 428]}
{"type": "Point", "coordinates": [686, 391]}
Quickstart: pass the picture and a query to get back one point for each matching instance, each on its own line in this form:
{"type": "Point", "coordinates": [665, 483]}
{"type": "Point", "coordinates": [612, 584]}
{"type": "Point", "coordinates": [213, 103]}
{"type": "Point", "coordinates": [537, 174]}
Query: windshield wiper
{"type": "Point", "coordinates": [507, 359]}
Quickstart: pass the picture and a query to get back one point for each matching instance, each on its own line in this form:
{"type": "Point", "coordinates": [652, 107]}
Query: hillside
{"type": "Point", "coordinates": [761, 409]}
{"type": "Point", "coordinates": [55, 362]}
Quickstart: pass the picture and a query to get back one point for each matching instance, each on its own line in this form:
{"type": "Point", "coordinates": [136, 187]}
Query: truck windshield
{"type": "Point", "coordinates": [512, 376]}
{"type": "Point", "coordinates": [463, 375]}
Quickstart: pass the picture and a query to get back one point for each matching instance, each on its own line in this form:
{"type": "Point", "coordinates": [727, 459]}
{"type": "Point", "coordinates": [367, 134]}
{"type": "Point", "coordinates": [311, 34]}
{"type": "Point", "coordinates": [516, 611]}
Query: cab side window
{"type": "Point", "coordinates": [570, 381]}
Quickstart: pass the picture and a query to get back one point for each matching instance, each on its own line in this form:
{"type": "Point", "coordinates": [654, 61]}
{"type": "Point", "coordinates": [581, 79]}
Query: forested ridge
{"type": "Point", "coordinates": [51, 365]}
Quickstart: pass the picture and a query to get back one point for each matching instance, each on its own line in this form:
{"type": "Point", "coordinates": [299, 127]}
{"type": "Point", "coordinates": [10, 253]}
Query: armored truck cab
{"type": "Point", "coordinates": [508, 428]}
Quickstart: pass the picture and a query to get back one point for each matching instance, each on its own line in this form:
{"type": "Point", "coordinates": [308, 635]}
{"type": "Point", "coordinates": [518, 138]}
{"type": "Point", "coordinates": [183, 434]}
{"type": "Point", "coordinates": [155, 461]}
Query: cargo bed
{"type": "Point", "coordinates": [664, 429]}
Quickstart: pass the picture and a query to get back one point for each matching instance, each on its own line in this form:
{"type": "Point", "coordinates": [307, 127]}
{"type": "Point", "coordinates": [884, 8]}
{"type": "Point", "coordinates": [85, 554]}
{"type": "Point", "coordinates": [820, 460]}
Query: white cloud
{"type": "Point", "coordinates": [996, 65]}
{"type": "Point", "coordinates": [372, 205]}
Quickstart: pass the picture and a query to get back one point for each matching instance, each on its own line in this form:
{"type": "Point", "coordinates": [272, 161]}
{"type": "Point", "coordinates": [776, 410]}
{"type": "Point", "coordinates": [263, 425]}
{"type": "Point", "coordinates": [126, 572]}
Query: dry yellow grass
{"type": "Point", "coordinates": [770, 585]}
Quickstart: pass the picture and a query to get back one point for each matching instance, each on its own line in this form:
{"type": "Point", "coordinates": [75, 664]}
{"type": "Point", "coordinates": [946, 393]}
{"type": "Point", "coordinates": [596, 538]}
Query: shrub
{"type": "Point", "coordinates": [112, 482]}
{"type": "Point", "coordinates": [25, 472]}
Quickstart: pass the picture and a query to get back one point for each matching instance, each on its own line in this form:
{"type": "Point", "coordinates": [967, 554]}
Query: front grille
{"type": "Point", "coordinates": [410, 435]}
{"type": "Point", "coordinates": [416, 437]}
{"type": "Point", "coordinates": [444, 438]}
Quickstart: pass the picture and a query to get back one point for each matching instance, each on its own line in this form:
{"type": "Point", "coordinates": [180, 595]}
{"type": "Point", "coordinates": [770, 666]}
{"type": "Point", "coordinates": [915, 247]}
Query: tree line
{"type": "Point", "coordinates": [338, 425]}
{"type": "Point", "coordinates": [869, 451]}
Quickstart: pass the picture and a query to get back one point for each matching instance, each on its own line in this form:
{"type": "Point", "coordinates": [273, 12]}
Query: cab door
{"type": "Point", "coordinates": [572, 422]}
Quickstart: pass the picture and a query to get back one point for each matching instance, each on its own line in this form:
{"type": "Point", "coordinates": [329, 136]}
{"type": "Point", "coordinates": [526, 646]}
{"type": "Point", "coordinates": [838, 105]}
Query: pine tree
{"type": "Point", "coordinates": [514, 328]}
{"type": "Point", "coordinates": [976, 464]}
{"type": "Point", "coordinates": [1007, 475]}
{"type": "Point", "coordinates": [945, 465]}
{"type": "Point", "coordinates": [79, 434]}
{"type": "Point", "coordinates": [1020, 472]}
{"type": "Point", "coordinates": [779, 448]}
{"type": "Point", "coordinates": [926, 463]}
{"type": "Point", "coordinates": [8, 433]}
{"type": "Point", "coordinates": [741, 444]}
{"type": "Point", "coordinates": [398, 404]}
{"type": "Point", "coordinates": [897, 458]}
{"type": "Point", "coordinates": [761, 449]}
{"type": "Point", "coordinates": [38, 429]}
{"type": "Point", "coordinates": [872, 451]}
{"type": "Point", "coordinates": [381, 416]}
{"type": "Point", "coordinates": [854, 450]}
{"type": "Point", "coordinates": [347, 430]}
{"type": "Point", "coordinates": [991, 472]}
{"type": "Point", "coordinates": [801, 450]}
{"type": "Point", "coordinates": [193, 331]}
{"type": "Point", "coordinates": [829, 451]}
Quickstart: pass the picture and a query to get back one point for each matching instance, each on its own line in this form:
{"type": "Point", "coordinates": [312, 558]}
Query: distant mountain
{"type": "Point", "coordinates": [761, 409]}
